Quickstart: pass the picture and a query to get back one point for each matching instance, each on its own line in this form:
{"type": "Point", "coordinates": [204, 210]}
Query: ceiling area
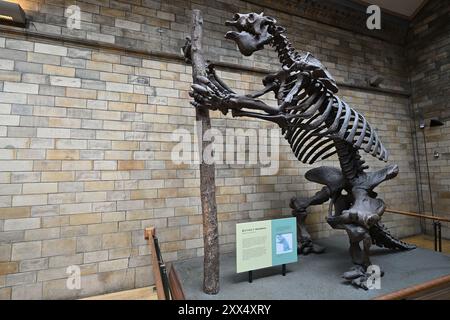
{"type": "Point", "coordinates": [404, 8]}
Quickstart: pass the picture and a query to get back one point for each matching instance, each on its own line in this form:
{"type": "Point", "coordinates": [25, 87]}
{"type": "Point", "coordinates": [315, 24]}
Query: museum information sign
{"type": "Point", "coordinates": [263, 244]}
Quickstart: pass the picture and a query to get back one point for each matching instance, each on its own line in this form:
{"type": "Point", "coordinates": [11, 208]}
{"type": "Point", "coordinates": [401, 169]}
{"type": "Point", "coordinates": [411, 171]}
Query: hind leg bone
{"type": "Point", "coordinates": [299, 206]}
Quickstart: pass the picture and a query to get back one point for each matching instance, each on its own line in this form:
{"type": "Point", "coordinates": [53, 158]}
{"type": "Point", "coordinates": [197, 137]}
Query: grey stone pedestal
{"type": "Point", "coordinates": [316, 276]}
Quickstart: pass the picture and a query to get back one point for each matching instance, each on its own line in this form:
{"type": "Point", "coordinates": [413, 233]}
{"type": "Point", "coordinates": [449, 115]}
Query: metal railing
{"type": "Point", "coordinates": [436, 225]}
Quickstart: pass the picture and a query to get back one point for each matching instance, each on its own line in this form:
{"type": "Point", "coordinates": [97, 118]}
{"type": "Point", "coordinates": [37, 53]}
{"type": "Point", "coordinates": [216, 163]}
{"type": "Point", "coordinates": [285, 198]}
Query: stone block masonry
{"type": "Point", "coordinates": [85, 142]}
{"type": "Point", "coordinates": [429, 59]}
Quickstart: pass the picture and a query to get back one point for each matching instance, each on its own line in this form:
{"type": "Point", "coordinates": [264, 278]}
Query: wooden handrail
{"type": "Point", "coordinates": [149, 233]}
{"type": "Point", "coordinates": [417, 215]}
{"type": "Point", "coordinates": [414, 290]}
{"type": "Point", "coordinates": [175, 285]}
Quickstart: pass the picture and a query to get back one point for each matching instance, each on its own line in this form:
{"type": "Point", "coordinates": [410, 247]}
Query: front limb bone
{"type": "Point", "coordinates": [213, 96]}
{"type": "Point", "coordinates": [279, 119]}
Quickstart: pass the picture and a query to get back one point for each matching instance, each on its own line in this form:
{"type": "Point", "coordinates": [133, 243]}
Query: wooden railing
{"type": "Point", "coordinates": [159, 268]}
{"type": "Point", "coordinates": [418, 215]}
{"type": "Point", "coordinates": [436, 289]}
{"type": "Point", "coordinates": [436, 225]}
{"type": "Point", "coordinates": [167, 287]}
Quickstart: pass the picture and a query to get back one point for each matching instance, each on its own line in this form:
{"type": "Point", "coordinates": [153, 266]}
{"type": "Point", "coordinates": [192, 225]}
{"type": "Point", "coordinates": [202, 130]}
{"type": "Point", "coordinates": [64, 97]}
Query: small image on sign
{"type": "Point", "coordinates": [284, 243]}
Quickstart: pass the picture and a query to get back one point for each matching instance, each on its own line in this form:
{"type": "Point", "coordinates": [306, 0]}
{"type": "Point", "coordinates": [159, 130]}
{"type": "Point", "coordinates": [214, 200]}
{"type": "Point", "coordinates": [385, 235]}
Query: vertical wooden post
{"type": "Point", "coordinates": [207, 171]}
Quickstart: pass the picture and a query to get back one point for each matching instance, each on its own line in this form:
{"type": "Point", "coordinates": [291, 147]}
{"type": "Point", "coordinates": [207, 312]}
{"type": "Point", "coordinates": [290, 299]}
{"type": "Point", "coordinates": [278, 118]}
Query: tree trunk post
{"type": "Point", "coordinates": [207, 171]}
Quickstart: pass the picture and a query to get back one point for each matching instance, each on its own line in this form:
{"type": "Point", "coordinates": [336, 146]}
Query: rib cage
{"type": "Point", "coordinates": [319, 118]}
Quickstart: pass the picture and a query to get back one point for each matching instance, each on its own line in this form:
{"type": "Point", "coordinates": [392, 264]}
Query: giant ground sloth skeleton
{"type": "Point", "coordinates": [317, 124]}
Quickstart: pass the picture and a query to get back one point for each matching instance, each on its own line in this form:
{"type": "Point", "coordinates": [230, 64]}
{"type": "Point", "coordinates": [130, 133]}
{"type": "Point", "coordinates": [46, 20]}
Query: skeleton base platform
{"type": "Point", "coordinates": [315, 276]}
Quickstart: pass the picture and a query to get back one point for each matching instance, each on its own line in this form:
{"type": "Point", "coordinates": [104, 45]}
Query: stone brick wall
{"type": "Point", "coordinates": [85, 141]}
{"type": "Point", "coordinates": [161, 26]}
{"type": "Point", "coordinates": [429, 58]}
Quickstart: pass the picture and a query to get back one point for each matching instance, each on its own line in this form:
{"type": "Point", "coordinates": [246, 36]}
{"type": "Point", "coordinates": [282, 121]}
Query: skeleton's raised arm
{"type": "Point", "coordinates": [213, 93]}
{"type": "Point", "coordinates": [210, 93]}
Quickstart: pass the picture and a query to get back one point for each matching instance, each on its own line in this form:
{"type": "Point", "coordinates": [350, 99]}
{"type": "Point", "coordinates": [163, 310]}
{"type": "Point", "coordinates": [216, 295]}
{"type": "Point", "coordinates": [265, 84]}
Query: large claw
{"type": "Point", "coordinates": [359, 277]}
{"type": "Point", "coordinates": [354, 272]}
{"type": "Point", "coordinates": [203, 80]}
{"type": "Point", "coordinates": [199, 89]}
{"type": "Point", "coordinates": [207, 95]}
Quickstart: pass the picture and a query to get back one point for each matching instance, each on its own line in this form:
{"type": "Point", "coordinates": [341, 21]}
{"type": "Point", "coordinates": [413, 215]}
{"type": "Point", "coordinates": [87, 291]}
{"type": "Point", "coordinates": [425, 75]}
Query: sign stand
{"type": "Point", "coordinates": [283, 273]}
